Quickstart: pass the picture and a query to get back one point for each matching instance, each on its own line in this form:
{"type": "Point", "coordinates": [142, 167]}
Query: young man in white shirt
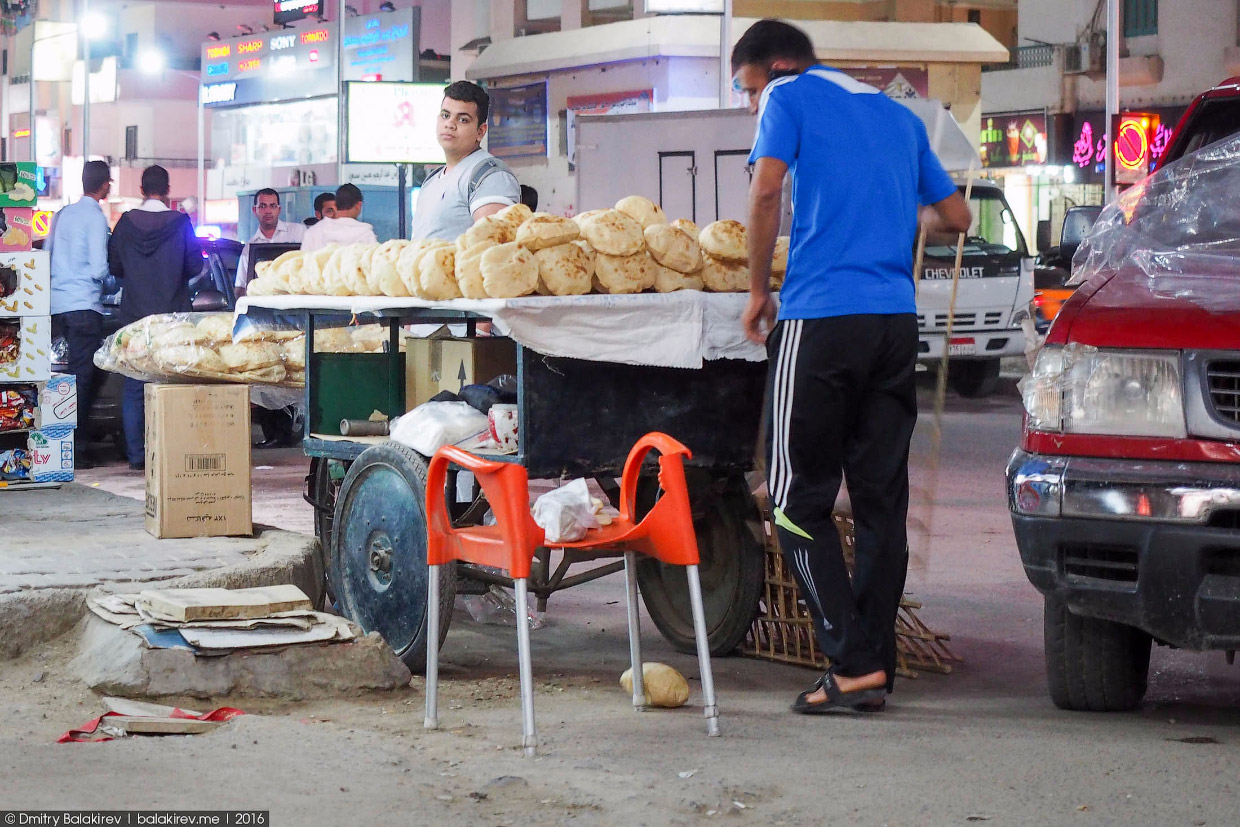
{"type": "Point", "coordinates": [271, 230]}
{"type": "Point", "coordinates": [474, 183]}
{"type": "Point", "coordinates": [344, 228]}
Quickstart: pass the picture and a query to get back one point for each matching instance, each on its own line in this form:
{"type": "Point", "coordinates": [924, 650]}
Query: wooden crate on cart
{"type": "Point", "coordinates": [783, 630]}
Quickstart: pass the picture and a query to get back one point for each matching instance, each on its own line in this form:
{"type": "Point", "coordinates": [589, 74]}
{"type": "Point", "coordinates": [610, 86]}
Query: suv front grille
{"type": "Point", "coordinates": [1224, 383]}
{"type": "Point", "coordinates": [1112, 563]}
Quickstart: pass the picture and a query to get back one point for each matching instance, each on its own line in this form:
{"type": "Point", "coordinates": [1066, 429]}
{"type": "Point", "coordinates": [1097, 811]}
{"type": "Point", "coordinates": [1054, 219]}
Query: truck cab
{"type": "Point", "coordinates": [1125, 490]}
{"type": "Point", "coordinates": [993, 295]}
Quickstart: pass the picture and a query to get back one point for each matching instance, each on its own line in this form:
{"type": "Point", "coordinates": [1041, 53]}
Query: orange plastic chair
{"type": "Point", "coordinates": [665, 533]}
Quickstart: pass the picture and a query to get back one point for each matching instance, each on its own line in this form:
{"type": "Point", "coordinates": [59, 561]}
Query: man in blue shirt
{"type": "Point", "coordinates": [79, 248]}
{"type": "Point", "coordinates": [842, 354]}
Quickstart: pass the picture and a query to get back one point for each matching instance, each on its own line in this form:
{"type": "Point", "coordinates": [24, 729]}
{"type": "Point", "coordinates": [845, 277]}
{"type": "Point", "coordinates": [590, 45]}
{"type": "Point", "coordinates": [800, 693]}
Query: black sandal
{"type": "Point", "coordinates": [861, 700]}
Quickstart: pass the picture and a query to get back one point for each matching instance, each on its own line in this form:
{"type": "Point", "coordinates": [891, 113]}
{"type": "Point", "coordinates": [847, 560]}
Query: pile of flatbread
{"type": "Point", "coordinates": [515, 252]}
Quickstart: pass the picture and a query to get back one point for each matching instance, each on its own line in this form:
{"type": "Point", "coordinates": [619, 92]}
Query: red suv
{"type": "Point", "coordinates": [1125, 490]}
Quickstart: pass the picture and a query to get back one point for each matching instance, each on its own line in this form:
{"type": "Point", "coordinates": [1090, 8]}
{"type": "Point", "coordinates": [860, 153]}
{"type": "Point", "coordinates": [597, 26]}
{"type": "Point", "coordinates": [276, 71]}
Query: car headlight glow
{"type": "Point", "coordinates": [1086, 390]}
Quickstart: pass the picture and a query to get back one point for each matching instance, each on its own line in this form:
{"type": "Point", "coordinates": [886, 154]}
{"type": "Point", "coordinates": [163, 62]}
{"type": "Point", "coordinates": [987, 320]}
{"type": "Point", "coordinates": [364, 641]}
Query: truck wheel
{"type": "Point", "coordinates": [974, 378]}
{"type": "Point", "coordinates": [379, 569]}
{"type": "Point", "coordinates": [731, 570]}
{"type": "Point", "coordinates": [1093, 665]}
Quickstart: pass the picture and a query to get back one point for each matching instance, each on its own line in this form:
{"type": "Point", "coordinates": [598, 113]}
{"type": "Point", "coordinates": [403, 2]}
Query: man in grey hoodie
{"type": "Point", "coordinates": [154, 252]}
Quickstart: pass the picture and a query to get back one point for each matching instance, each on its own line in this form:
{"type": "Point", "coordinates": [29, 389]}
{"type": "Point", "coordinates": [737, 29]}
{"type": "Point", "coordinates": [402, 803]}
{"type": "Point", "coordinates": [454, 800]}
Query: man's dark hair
{"type": "Point", "coordinates": [467, 92]}
{"type": "Point", "coordinates": [529, 196]}
{"type": "Point", "coordinates": [348, 197]}
{"type": "Point", "coordinates": [94, 175]}
{"type": "Point", "coordinates": [266, 191]}
{"type": "Point", "coordinates": [322, 199]}
{"type": "Point", "coordinates": [769, 40]}
{"type": "Point", "coordinates": [155, 182]}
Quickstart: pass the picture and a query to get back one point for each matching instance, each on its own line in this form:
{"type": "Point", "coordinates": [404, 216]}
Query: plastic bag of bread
{"type": "Point", "coordinates": [544, 230]}
{"type": "Point", "coordinates": [384, 279]}
{"type": "Point", "coordinates": [642, 210]}
{"type": "Point", "coordinates": [667, 280]}
{"type": "Point", "coordinates": [509, 271]}
{"type": "Point", "coordinates": [490, 228]}
{"type": "Point", "coordinates": [564, 270]}
{"type": "Point", "coordinates": [724, 276]}
{"type": "Point", "coordinates": [192, 361]}
{"type": "Point", "coordinates": [251, 356]}
{"type": "Point", "coordinates": [185, 333]}
{"type": "Point", "coordinates": [333, 340]}
{"type": "Point", "coordinates": [624, 274]}
{"type": "Point", "coordinates": [469, 270]}
{"type": "Point", "coordinates": [216, 327]}
{"type": "Point", "coordinates": [673, 248]}
{"type": "Point", "coordinates": [369, 338]}
{"type": "Point", "coordinates": [725, 240]}
{"type": "Point", "coordinates": [437, 274]}
{"type": "Point", "coordinates": [688, 226]}
{"type": "Point", "coordinates": [515, 215]}
{"type": "Point", "coordinates": [664, 687]}
{"type": "Point", "coordinates": [612, 233]}
{"type": "Point", "coordinates": [295, 353]}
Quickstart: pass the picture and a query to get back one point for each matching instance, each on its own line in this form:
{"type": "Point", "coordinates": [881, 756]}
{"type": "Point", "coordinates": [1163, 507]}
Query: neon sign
{"type": "Point", "coordinates": [214, 52]}
{"type": "Point", "coordinates": [250, 65]}
{"type": "Point", "coordinates": [217, 69]}
{"type": "Point", "coordinates": [249, 47]}
{"type": "Point", "coordinates": [284, 41]}
{"type": "Point", "coordinates": [219, 93]}
{"type": "Point", "coordinates": [316, 36]}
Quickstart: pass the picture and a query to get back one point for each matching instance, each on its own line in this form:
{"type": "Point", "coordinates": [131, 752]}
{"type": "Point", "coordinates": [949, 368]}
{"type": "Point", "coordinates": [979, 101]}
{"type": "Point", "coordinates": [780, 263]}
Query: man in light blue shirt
{"type": "Point", "coordinates": [79, 248]}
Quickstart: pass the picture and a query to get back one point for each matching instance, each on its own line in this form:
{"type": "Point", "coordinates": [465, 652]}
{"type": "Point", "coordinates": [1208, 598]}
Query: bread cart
{"type": "Point", "coordinates": [696, 379]}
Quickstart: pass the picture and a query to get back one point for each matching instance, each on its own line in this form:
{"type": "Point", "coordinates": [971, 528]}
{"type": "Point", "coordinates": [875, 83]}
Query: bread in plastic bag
{"type": "Point", "coordinates": [567, 513]}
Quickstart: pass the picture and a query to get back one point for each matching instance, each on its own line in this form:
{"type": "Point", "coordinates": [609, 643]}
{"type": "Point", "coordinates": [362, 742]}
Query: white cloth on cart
{"type": "Point", "coordinates": [675, 330]}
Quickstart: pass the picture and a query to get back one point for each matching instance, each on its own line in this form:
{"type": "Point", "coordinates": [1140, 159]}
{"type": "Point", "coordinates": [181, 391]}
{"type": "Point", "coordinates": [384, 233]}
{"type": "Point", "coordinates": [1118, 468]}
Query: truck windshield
{"type": "Point", "coordinates": [994, 231]}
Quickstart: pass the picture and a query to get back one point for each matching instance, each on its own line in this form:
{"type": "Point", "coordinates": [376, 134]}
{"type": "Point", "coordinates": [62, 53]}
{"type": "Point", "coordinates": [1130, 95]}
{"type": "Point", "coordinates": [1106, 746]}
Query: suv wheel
{"type": "Point", "coordinates": [1093, 665]}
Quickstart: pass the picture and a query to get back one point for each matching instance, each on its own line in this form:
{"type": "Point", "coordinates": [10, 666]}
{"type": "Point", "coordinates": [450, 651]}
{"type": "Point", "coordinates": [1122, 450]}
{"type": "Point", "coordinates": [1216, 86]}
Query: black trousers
{"type": "Point", "coordinates": [843, 405]}
{"type": "Point", "coordinates": [83, 332]}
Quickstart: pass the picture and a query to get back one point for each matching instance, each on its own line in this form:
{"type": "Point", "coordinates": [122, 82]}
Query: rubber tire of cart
{"type": "Point", "coordinates": [1093, 665]}
{"type": "Point", "coordinates": [382, 508]}
{"type": "Point", "coordinates": [732, 568]}
{"type": "Point", "coordinates": [973, 378]}
{"type": "Point", "coordinates": [324, 493]}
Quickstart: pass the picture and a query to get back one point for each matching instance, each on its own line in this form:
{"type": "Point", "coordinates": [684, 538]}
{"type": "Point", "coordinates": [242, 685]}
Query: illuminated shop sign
{"type": "Point", "coordinates": [215, 70]}
{"type": "Point", "coordinates": [1014, 139]}
{"type": "Point", "coordinates": [219, 93]}
{"type": "Point", "coordinates": [1141, 140]}
{"type": "Point", "coordinates": [251, 65]}
{"type": "Point", "coordinates": [216, 52]}
{"type": "Point", "coordinates": [316, 36]}
{"type": "Point", "coordinates": [289, 11]}
{"type": "Point", "coordinates": [249, 47]}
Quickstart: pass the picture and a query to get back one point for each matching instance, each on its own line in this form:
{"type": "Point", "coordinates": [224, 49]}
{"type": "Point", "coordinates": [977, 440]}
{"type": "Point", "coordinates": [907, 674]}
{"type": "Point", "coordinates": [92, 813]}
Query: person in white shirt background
{"type": "Point", "coordinates": [271, 230]}
{"type": "Point", "coordinates": [344, 228]}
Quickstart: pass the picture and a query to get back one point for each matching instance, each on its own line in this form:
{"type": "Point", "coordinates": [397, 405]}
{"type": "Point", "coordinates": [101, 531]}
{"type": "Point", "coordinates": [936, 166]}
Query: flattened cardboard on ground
{"type": "Point", "coordinates": [198, 461]}
{"type": "Point", "coordinates": [157, 726]}
{"type": "Point", "coordinates": [331, 628]}
{"type": "Point", "coordinates": [223, 604]}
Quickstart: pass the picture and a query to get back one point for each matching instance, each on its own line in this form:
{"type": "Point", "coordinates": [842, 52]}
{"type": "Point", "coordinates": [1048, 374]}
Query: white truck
{"type": "Point", "coordinates": [695, 165]}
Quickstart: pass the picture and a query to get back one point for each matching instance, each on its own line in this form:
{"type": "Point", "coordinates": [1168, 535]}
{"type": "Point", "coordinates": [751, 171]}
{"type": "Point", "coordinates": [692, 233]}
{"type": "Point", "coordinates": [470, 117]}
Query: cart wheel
{"type": "Point", "coordinates": [731, 569]}
{"type": "Point", "coordinates": [379, 566]}
{"type": "Point", "coordinates": [321, 495]}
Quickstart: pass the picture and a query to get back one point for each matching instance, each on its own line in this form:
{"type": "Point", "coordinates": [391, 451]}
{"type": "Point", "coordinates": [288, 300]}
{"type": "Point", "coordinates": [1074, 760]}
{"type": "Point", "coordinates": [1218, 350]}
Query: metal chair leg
{"type": "Point", "coordinates": [529, 734]}
{"type": "Point", "coordinates": [635, 632]}
{"type": "Point", "coordinates": [703, 651]}
{"type": "Point", "coordinates": [432, 649]}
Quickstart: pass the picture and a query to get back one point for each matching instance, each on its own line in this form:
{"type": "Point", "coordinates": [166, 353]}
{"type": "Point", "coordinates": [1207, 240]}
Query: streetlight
{"type": "Point", "coordinates": [152, 61]}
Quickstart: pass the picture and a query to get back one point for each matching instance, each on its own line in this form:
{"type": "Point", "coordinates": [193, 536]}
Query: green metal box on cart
{"type": "Point", "coordinates": [353, 386]}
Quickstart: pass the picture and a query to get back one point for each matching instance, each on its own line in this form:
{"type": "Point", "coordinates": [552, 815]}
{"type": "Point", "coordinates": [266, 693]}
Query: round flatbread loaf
{"type": "Point", "coordinates": [313, 270]}
{"type": "Point", "coordinates": [642, 210]}
{"type": "Point", "coordinates": [613, 233]}
{"type": "Point", "coordinates": [673, 248]}
{"type": "Point", "coordinates": [437, 274]}
{"type": "Point", "coordinates": [252, 355]}
{"type": "Point", "coordinates": [353, 266]}
{"type": "Point", "coordinates": [270, 375]}
{"type": "Point", "coordinates": [509, 271]}
{"type": "Point", "coordinates": [779, 263]}
{"type": "Point", "coordinates": [261, 269]}
{"type": "Point", "coordinates": [688, 226]}
{"type": "Point", "coordinates": [724, 276]}
{"type": "Point", "coordinates": [383, 278]}
{"type": "Point", "coordinates": [546, 230]}
{"type": "Point", "coordinates": [490, 228]}
{"type": "Point", "coordinates": [725, 240]}
{"type": "Point", "coordinates": [564, 270]}
{"type": "Point", "coordinates": [582, 216]}
{"type": "Point", "coordinates": [624, 274]}
{"type": "Point", "coordinates": [515, 215]}
{"type": "Point", "coordinates": [335, 279]}
{"type": "Point", "coordinates": [283, 267]}
{"type": "Point", "coordinates": [469, 270]}
{"type": "Point", "coordinates": [261, 287]}
{"type": "Point", "coordinates": [190, 360]}
{"type": "Point", "coordinates": [667, 280]}
{"type": "Point", "coordinates": [409, 264]}
{"type": "Point", "coordinates": [217, 327]}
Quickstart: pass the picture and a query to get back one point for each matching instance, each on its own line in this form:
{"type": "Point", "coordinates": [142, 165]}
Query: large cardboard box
{"type": "Point", "coordinates": [25, 349]}
{"type": "Point", "coordinates": [58, 401]}
{"type": "Point", "coordinates": [43, 456]}
{"type": "Point", "coordinates": [434, 365]}
{"type": "Point", "coordinates": [198, 460]}
{"type": "Point", "coordinates": [25, 284]}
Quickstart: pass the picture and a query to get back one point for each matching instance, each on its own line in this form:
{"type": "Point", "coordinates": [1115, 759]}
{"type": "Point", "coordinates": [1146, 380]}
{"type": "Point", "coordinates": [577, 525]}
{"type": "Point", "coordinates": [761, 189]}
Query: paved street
{"type": "Point", "coordinates": [982, 744]}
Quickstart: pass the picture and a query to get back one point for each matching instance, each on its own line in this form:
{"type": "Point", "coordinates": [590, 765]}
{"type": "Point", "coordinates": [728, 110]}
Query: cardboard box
{"type": "Point", "coordinates": [434, 365]}
{"type": "Point", "coordinates": [58, 401]}
{"type": "Point", "coordinates": [25, 284]}
{"type": "Point", "coordinates": [18, 233]}
{"type": "Point", "coordinates": [25, 349]}
{"type": "Point", "coordinates": [51, 454]}
{"type": "Point", "coordinates": [198, 460]}
{"type": "Point", "coordinates": [18, 184]}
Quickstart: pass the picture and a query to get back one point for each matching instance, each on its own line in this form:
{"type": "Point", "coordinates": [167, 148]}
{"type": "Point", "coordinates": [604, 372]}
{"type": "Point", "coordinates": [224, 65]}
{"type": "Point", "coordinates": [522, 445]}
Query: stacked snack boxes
{"type": "Point", "coordinates": [38, 409]}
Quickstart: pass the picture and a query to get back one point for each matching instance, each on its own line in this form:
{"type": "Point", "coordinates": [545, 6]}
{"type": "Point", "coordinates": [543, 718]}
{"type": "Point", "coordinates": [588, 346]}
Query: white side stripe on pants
{"type": "Point", "coordinates": [781, 412]}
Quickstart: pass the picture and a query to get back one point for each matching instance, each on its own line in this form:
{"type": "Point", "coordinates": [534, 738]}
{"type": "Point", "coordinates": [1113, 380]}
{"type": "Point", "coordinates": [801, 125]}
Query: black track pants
{"type": "Point", "coordinates": [843, 404]}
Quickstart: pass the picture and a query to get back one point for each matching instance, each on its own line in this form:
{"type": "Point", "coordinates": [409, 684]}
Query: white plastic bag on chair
{"type": "Point", "coordinates": [566, 513]}
{"type": "Point", "coordinates": [432, 425]}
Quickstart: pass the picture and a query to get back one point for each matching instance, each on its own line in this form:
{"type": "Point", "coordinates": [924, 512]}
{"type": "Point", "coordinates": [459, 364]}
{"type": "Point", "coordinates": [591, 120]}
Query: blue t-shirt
{"type": "Point", "coordinates": [861, 165]}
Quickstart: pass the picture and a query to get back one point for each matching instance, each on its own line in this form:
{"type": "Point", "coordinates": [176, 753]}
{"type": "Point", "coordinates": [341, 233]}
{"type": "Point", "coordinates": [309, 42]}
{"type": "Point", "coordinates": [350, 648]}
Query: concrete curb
{"type": "Point", "coordinates": [29, 618]}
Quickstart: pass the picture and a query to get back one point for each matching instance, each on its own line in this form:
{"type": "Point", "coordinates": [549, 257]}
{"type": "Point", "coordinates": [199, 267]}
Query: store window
{"type": "Point", "coordinates": [1140, 18]}
{"type": "Point", "coordinates": [276, 135]}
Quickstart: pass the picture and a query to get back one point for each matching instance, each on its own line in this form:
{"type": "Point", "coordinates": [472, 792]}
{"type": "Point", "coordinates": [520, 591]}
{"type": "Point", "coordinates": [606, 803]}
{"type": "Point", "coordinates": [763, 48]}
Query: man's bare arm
{"type": "Point", "coordinates": [765, 194]}
{"type": "Point", "coordinates": [488, 209]}
{"type": "Point", "coordinates": [946, 219]}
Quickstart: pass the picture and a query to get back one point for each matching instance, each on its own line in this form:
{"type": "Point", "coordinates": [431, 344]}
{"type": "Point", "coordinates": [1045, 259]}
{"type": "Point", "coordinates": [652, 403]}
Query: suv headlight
{"type": "Point", "coordinates": [1084, 390]}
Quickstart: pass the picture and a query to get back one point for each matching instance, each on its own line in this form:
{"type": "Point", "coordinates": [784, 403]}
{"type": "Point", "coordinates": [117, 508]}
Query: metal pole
{"type": "Point", "coordinates": [85, 35]}
{"type": "Point", "coordinates": [202, 159]}
{"type": "Point", "coordinates": [341, 124]}
{"type": "Point", "coordinates": [30, 112]}
{"type": "Point", "coordinates": [1112, 94]}
{"type": "Point", "coordinates": [402, 195]}
{"type": "Point", "coordinates": [725, 56]}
